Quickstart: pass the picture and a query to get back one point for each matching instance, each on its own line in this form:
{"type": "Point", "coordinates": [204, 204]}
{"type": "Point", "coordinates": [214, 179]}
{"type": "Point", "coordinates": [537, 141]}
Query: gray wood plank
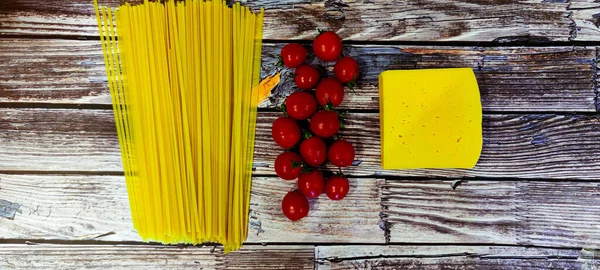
{"type": "Point", "coordinates": [293, 257]}
{"type": "Point", "coordinates": [515, 145]}
{"type": "Point", "coordinates": [510, 79]}
{"type": "Point", "coordinates": [53, 71]}
{"type": "Point", "coordinates": [95, 207]}
{"type": "Point", "coordinates": [422, 20]}
{"type": "Point", "coordinates": [540, 213]}
{"type": "Point", "coordinates": [453, 257]}
{"type": "Point", "coordinates": [586, 16]}
{"type": "Point", "coordinates": [557, 214]}
{"type": "Point", "coordinates": [69, 256]}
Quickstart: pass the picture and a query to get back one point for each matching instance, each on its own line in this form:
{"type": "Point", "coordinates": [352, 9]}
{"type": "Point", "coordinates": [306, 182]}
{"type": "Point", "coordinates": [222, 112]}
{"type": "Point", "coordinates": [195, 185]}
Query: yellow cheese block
{"type": "Point", "coordinates": [430, 118]}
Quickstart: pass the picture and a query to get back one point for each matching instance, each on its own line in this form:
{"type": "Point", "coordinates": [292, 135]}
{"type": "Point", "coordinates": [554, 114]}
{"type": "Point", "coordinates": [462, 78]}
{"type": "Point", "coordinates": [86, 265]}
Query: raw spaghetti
{"type": "Point", "coordinates": [183, 80]}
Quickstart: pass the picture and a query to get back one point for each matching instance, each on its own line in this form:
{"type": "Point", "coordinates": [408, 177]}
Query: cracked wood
{"type": "Point", "coordinates": [451, 257]}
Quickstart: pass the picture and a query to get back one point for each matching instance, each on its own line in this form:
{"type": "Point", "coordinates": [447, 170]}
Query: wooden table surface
{"type": "Point", "coordinates": [532, 201]}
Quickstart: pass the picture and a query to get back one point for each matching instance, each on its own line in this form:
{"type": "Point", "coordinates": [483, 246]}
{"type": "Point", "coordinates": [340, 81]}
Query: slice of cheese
{"type": "Point", "coordinates": [430, 118]}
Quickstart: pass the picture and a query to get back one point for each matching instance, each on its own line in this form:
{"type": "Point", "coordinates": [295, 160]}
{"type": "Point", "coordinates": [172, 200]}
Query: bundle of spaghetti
{"type": "Point", "coordinates": [183, 80]}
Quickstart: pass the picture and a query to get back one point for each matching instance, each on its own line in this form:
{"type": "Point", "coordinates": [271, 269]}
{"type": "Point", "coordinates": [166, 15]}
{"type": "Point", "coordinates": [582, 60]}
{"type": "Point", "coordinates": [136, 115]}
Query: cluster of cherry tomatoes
{"type": "Point", "coordinates": [310, 123]}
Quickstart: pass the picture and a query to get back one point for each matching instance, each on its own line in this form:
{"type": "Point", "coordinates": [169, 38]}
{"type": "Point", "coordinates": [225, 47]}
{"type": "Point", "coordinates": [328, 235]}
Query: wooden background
{"type": "Point", "coordinates": [532, 201]}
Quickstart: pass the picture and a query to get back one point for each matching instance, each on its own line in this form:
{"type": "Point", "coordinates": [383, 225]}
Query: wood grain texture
{"type": "Point", "coordinates": [50, 18]}
{"type": "Point", "coordinates": [453, 257]}
{"type": "Point", "coordinates": [53, 71]}
{"type": "Point", "coordinates": [354, 219]}
{"type": "Point", "coordinates": [67, 208]}
{"type": "Point", "coordinates": [422, 20]}
{"type": "Point", "coordinates": [55, 140]}
{"type": "Point", "coordinates": [18, 256]}
{"type": "Point", "coordinates": [546, 213]}
{"type": "Point", "coordinates": [522, 146]}
{"type": "Point", "coordinates": [72, 207]}
{"type": "Point", "coordinates": [597, 79]}
{"type": "Point", "coordinates": [586, 16]}
{"type": "Point", "coordinates": [557, 214]}
{"type": "Point", "coordinates": [515, 145]}
{"type": "Point", "coordinates": [510, 79]}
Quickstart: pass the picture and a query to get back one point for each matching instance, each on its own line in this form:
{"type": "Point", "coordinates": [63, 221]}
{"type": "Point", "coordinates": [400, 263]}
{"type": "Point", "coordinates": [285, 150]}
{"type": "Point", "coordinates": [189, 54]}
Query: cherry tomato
{"type": "Point", "coordinates": [311, 184]}
{"type": "Point", "coordinates": [313, 151]}
{"type": "Point", "coordinates": [325, 123]}
{"type": "Point", "coordinates": [327, 46]}
{"type": "Point", "coordinates": [300, 105]}
{"type": "Point", "coordinates": [306, 76]}
{"type": "Point", "coordinates": [286, 132]}
{"type": "Point", "coordinates": [330, 90]}
{"type": "Point", "coordinates": [287, 165]}
{"type": "Point", "coordinates": [341, 153]}
{"type": "Point", "coordinates": [346, 70]}
{"type": "Point", "coordinates": [294, 205]}
{"type": "Point", "coordinates": [337, 187]}
{"type": "Point", "coordinates": [293, 55]}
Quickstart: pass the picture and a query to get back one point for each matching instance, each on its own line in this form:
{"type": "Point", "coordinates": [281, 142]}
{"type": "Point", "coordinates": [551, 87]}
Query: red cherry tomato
{"type": "Point", "coordinates": [337, 187]}
{"type": "Point", "coordinates": [327, 46]}
{"type": "Point", "coordinates": [286, 132]}
{"type": "Point", "coordinates": [311, 184]}
{"type": "Point", "coordinates": [341, 153]}
{"type": "Point", "coordinates": [294, 205]}
{"type": "Point", "coordinates": [325, 123]}
{"type": "Point", "coordinates": [330, 90]}
{"type": "Point", "coordinates": [300, 105]}
{"type": "Point", "coordinates": [288, 165]}
{"type": "Point", "coordinates": [293, 55]}
{"type": "Point", "coordinates": [306, 76]}
{"type": "Point", "coordinates": [346, 70]}
{"type": "Point", "coordinates": [313, 151]}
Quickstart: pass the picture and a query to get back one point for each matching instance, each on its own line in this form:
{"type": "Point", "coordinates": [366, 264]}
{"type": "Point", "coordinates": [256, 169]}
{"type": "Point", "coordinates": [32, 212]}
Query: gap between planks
{"type": "Point", "coordinates": [525, 42]}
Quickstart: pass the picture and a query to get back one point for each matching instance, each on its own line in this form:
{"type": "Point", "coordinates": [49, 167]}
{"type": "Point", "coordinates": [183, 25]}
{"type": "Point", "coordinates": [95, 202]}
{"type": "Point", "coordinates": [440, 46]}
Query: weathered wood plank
{"type": "Point", "coordinates": [354, 219]}
{"type": "Point", "coordinates": [67, 208]}
{"type": "Point", "coordinates": [557, 214]}
{"type": "Point", "coordinates": [515, 145]}
{"type": "Point", "coordinates": [53, 256]}
{"type": "Point", "coordinates": [71, 207]}
{"type": "Point", "coordinates": [565, 214]}
{"type": "Point", "coordinates": [523, 146]}
{"type": "Point", "coordinates": [54, 140]}
{"type": "Point", "coordinates": [453, 257]}
{"type": "Point", "coordinates": [55, 71]}
{"type": "Point", "coordinates": [292, 257]}
{"type": "Point", "coordinates": [423, 20]}
{"type": "Point", "coordinates": [543, 213]}
{"type": "Point", "coordinates": [586, 16]}
{"type": "Point", "coordinates": [510, 79]}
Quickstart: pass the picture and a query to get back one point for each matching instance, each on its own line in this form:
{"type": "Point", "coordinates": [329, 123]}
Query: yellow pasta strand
{"type": "Point", "coordinates": [183, 79]}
